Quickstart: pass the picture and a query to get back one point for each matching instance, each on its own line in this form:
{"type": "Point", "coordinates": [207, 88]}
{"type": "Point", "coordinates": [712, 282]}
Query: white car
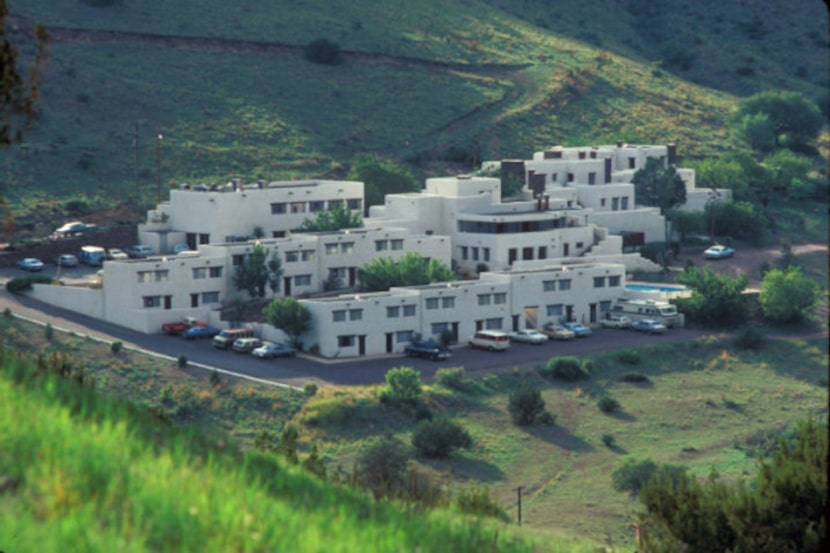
{"type": "Point", "coordinates": [529, 336]}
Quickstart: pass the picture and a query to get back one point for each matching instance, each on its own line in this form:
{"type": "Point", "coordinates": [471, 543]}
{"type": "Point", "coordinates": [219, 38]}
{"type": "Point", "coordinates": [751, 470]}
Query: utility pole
{"type": "Point", "coordinates": [519, 499]}
{"type": "Point", "coordinates": [135, 155]}
{"type": "Point", "coordinates": [159, 138]}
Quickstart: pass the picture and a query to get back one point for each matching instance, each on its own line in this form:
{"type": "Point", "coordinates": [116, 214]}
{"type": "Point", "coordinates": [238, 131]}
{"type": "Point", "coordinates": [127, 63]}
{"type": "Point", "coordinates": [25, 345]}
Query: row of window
{"type": "Point", "coordinates": [617, 204]}
{"type": "Point", "coordinates": [340, 247]}
{"type": "Point", "coordinates": [513, 227]}
{"type": "Point", "coordinates": [496, 299]}
{"type": "Point", "coordinates": [472, 253]}
{"type": "Point", "coordinates": [153, 276]}
{"type": "Point", "coordinates": [299, 255]}
{"type": "Point", "coordinates": [279, 208]}
{"type": "Point", "coordinates": [205, 272]}
{"type": "Point", "coordinates": [599, 282]}
{"type": "Point", "coordinates": [339, 315]}
{"type": "Point", "coordinates": [553, 285]}
{"type": "Point", "coordinates": [166, 302]}
{"type": "Point", "coordinates": [396, 310]}
{"type": "Point", "coordinates": [383, 245]}
{"type": "Point", "coordinates": [446, 303]}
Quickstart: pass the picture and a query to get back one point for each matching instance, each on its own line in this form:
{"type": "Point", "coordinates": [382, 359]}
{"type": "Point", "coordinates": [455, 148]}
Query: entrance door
{"type": "Point", "coordinates": [352, 278]}
{"type": "Point", "coordinates": [531, 316]}
{"type": "Point", "coordinates": [569, 312]}
{"type": "Point", "coordinates": [389, 336]}
{"type": "Point", "coordinates": [286, 286]}
{"type": "Point", "coordinates": [565, 249]}
{"type": "Point", "coordinates": [593, 308]}
{"type": "Point", "coordinates": [515, 323]}
{"type": "Point", "coordinates": [454, 332]}
{"type": "Point", "coordinates": [361, 344]}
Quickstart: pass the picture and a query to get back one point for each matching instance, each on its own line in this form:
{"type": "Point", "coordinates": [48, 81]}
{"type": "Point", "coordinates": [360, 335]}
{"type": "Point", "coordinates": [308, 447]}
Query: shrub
{"type": "Point", "coordinates": [116, 347]}
{"type": "Point", "coordinates": [323, 51]}
{"type": "Point", "coordinates": [632, 475]}
{"type": "Point", "coordinates": [49, 332]}
{"type": "Point", "coordinates": [608, 440]}
{"type": "Point", "coordinates": [787, 295]}
{"type": "Point", "coordinates": [310, 388]}
{"type": "Point", "coordinates": [403, 385]}
{"type": "Point", "coordinates": [215, 379]}
{"type": "Point", "coordinates": [438, 438]}
{"type": "Point", "coordinates": [181, 361]}
{"type": "Point", "coordinates": [422, 412]}
{"type": "Point", "coordinates": [526, 404]}
{"type": "Point", "coordinates": [450, 378]}
{"type": "Point", "coordinates": [629, 357]}
{"type": "Point", "coordinates": [381, 466]}
{"type": "Point", "coordinates": [568, 369]}
{"type": "Point", "coordinates": [608, 404]}
{"type": "Point", "coordinates": [547, 418]}
{"type": "Point", "coordinates": [21, 284]}
{"type": "Point", "coordinates": [476, 500]}
{"type": "Point", "coordinates": [7, 313]}
{"type": "Point", "coordinates": [750, 338]}
{"type": "Point", "coordinates": [635, 378]}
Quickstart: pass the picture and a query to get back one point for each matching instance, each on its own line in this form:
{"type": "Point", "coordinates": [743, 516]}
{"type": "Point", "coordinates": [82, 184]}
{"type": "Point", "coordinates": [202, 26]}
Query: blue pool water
{"type": "Point", "coordinates": [655, 288]}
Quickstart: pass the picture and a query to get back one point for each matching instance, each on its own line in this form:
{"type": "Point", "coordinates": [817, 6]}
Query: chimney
{"type": "Point", "coordinates": [672, 151]}
{"type": "Point", "coordinates": [547, 202]}
{"type": "Point", "coordinates": [619, 143]}
{"type": "Point", "coordinates": [539, 203]}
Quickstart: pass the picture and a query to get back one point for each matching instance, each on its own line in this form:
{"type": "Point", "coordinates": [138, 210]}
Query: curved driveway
{"type": "Point", "coordinates": [304, 368]}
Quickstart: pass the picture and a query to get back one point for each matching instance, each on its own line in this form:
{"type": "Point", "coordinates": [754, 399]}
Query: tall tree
{"type": "Point", "coordinates": [412, 269]}
{"type": "Point", "coordinates": [787, 295]}
{"type": "Point", "coordinates": [256, 272]}
{"type": "Point", "coordinates": [795, 119]}
{"type": "Point", "coordinates": [380, 178]}
{"type": "Point", "coordinates": [659, 186]}
{"type": "Point", "coordinates": [288, 315]}
{"type": "Point", "coordinates": [716, 300]}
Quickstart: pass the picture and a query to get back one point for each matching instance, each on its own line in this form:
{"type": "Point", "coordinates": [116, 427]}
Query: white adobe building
{"type": "Point", "coordinates": [385, 322]}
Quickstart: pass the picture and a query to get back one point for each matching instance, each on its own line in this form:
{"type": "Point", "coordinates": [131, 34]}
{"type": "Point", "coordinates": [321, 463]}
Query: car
{"type": "Point", "coordinates": [246, 345]}
{"type": "Point", "coordinates": [199, 332]}
{"type": "Point", "coordinates": [615, 321]}
{"type": "Point", "coordinates": [72, 228]}
{"type": "Point", "coordinates": [116, 254]}
{"type": "Point", "coordinates": [649, 326]}
{"type": "Point", "coordinates": [558, 332]}
{"type": "Point", "coordinates": [718, 252]}
{"type": "Point", "coordinates": [428, 349]}
{"type": "Point", "coordinates": [529, 336]}
{"type": "Point", "coordinates": [179, 248]}
{"type": "Point", "coordinates": [269, 350]}
{"type": "Point", "coordinates": [138, 251]}
{"type": "Point", "coordinates": [176, 328]}
{"type": "Point", "coordinates": [579, 329]}
{"type": "Point", "coordinates": [30, 264]}
{"type": "Point", "coordinates": [66, 260]}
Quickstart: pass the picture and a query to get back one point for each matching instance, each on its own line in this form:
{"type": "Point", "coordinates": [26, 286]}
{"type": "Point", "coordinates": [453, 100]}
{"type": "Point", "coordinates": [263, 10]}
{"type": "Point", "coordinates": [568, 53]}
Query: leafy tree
{"type": "Point", "coordinates": [254, 273]}
{"type": "Point", "coordinates": [783, 510]}
{"type": "Point", "coordinates": [403, 385]}
{"type": "Point", "coordinates": [337, 218]}
{"type": "Point", "coordinates": [723, 173]}
{"type": "Point", "coordinates": [758, 130]}
{"type": "Point", "coordinates": [737, 219]}
{"type": "Point", "coordinates": [659, 186]}
{"type": "Point", "coordinates": [412, 269]}
{"type": "Point", "coordinates": [787, 295]}
{"type": "Point", "coordinates": [796, 120]}
{"type": "Point", "coordinates": [686, 222]}
{"type": "Point", "coordinates": [288, 315]}
{"type": "Point", "coordinates": [716, 300]}
{"type": "Point", "coordinates": [785, 167]}
{"type": "Point", "coordinates": [438, 438]}
{"type": "Point", "coordinates": [382, 466]}
{"type": "Point", "coordinates": [526, 405]}
{"type": "Point", "coordinates": [380, 177]}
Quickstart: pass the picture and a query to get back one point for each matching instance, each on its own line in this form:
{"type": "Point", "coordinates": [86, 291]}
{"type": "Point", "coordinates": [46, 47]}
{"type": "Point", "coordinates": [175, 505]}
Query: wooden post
{"type": "Point", "coordinates": [519, 497]}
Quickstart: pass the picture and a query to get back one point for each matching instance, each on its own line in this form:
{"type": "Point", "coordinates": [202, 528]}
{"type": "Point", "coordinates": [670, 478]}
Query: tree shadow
{"type": "Point", "coordinates": [478, 469]}
{"type": "Point", "coordinates": [560, 437]}
{"type": "Point", "coordinates": [623, 416]}
{"type": "Point", "coordinates": [618, 450]}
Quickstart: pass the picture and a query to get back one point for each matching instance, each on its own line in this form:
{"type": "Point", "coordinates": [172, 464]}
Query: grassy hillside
{"type": "Point", "coordinates": [424, 82]}
{"type": "Point", "coordinates": [86, 474]}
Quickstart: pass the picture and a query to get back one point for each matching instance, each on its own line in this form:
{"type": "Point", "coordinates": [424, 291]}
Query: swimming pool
{"type": "Point", "coordinates": [657, 288]}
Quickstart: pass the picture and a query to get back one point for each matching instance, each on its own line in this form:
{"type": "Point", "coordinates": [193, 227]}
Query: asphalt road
{"type": "Point", "coordinates": [304, 368]}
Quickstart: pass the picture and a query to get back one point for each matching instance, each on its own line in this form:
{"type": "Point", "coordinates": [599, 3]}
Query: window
{"type": "Point", "coordinates": [302, 280]}
{"type": "Point", "coordinates": [403, 336]}
{"type": "Point", "coordinates": [210, 297]}
{"type": "Point", "coordinates": [511, 255]}
{"type": "Point", "coordinates": [237, 259]}
{"type": "Point", "coordinates": [277, 234]}
{"type": "Point", "coordinates": [432, 303]}
{"type": "Point", "coordinates": [347, 247]}
{"type": "Point", "coordinates": [151, 302]}
{"type": "Point", "coordinates": [549, 286]}
{"type": "Point", "coordinates": [292, 257]}
{"type": "Point", "coordinates": [484, 299]}
{"type": "Point", "coordinates": [624, 203]}
{"type": "Point", "coordinates": [604, 306]}
{"type": "Point", "coordinates": [492, 324]}
{"type": "Point", "coordinates": [570, 177]}
{"type": "Point", "coordinates": [315, 206]}
{"type": "Point", "coordinates": [355, 314]}
{"type": "Point", "coordinates": [338, 316]}
{"type": "Point", "coordinates": [632, 163]}
{"type": "Point", "coordinates": [397, 244]}
{"type": "Point", "coordinates": [554, 310]}
{"type": "Point", "coordinates": [500, 298]}
{"type": "Point", "coordinates": [392, 312]}
{"type": "Point", "coordinates": [162, 276]}
{"type": "Point", "coordinates": [307, 255]}
{"type": "Point", "coordinates": [145, 276]}
{"type": "Point", "coordinates": [278, 208]}
{"type": "Point", "coordinates": [602, 202]}
{"type": "Point", "coordinates": [599, 282]}
{"type": "Point", "coordinates": [486, 253]}
{"type": "Point", "coordinates": [543, 252]}
{"type": "Point", "coordinates": [194, 300]}
{"type": "Point", "coordinates": [297, 207]}
{"type": "Point", "coordinates": [408, 310]}
{"type": "Point", "coordinates": [579, 245]}
{"type": "Point", "coordinates": [448, 303]}
{"type": "Point", "coordinates": [565, 284]}
{"type": "Point", "coordinates": [554, 177]}
{"type": "Point", "coordinates": [204, 238]}
{"type": "Point", "coordinates": [381, 245]}
{"type": "Point", "coordinates": [333, 204]}
{"type": "Point", "coordinates": [592, 178]}
{"type": "Point", "coordinates": [474, 251]}
{"type": "Point", "coordinates": [354, 203]}
{"type": "Point", "coordinates": [215, 272]}
{"type": "Point", "coordinates": [615, 204]}
{"type": "Point", "coordinates": [527, 253]}
{"type": "Point", "coordinates": [614, 281]}
{"type": "Point", "coordinates": [439, 328]}
{"type": "Point", "coordinates": [332, 248]}
{"type": "Point", "coordinates": [345, 341]}
{"type": "Point", "coordinates": [199, 272]}
{"type": "Point", "coordinates": [464, 253]}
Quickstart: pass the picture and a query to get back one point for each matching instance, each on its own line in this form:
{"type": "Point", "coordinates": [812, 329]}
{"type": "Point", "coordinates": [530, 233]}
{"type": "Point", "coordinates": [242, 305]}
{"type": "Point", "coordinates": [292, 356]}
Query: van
{"type": "Point", "coordinates": [246, 345]}
{"type": "Point", "coordinates": [92, 255]}
{"type": "Point", "coordinates": [226, 338]}
{"type": "Point", "coordinates": [139, 252]}
{"type": "Point", "coordinates": [491, 340]}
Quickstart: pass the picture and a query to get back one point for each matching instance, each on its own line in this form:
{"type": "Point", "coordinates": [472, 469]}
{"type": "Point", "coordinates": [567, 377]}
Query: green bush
{"type": "Point", "coordinates": [438, 438]}
{"type": "Point", "coordinates": [750, 338]}
{"type": "Point", "coordinates": [116, 347]}
{"type": "Point", "coordinates": [382, 466]}
{"type": "Point", "coordinates": [452, 377]}
{"type": "Point", "coordinates": [49, 332]}
{"type": "Point", "coordinates": [568, 369]}
{"type": "Point", "coordinates": [608, 440]}
{"type": "Point", "coordinates": [608, 404]}
{"type": "Point", "coordinates": [629, 357]}
{"type": "Point", "coordinates": [632, 475]}
{"type": "Point", "coordinates": [181, 361]}
{"type": "Point", "coordinates": [403, 385]}
{"type": "Point", "coordinates": [476, 500]}
{"type": "Point", "coordinates": [526, 404]}
{"type": "Point", "coordinates": [323, 51]}
{"type": "Point", "coordinates": [310, 389]}
{"type": "Point", "coordinates": [21, 284]}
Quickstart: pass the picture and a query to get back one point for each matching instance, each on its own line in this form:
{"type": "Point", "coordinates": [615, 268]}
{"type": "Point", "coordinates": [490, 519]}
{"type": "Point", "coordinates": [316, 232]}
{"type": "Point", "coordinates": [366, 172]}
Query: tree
{"type": "Point", "coordinates": [716, 300]}
{"type": "Point", "coordinates": [438, 438]}
{"type": "Point", "coordinates": [288, 315]}
{"type": "Point", "coordinates": [787, 295]}
{"type": "Point", "coordinates": [758, 130]}
{"type": "Point", "coordinates": [526, 405]}
{"type": "Point", "coordinates": [412, 269]}
{"type": "Point", "coordinates": [783, 510]}
{"type": "Point", "coordinates": [659, 186]}
{"type": "Point", "coordinates": [737, 219]}
{"type": "Point", "coordinates": [254, 273]}
{"type": "Point", "coordinates": [785, 167]}
{"type": "Point", "coordinates": [380, 178]}
{"type": "Point", "coordinates": [723, 173]}
{"type": "Point", "coordinates": [796, 120]}
{"type": "Point", "coordinates": [403, 385]}
{"type": "Point", "coordinates": [337, 218]}
{"type": "Point", "coordinates": [686, 222]}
